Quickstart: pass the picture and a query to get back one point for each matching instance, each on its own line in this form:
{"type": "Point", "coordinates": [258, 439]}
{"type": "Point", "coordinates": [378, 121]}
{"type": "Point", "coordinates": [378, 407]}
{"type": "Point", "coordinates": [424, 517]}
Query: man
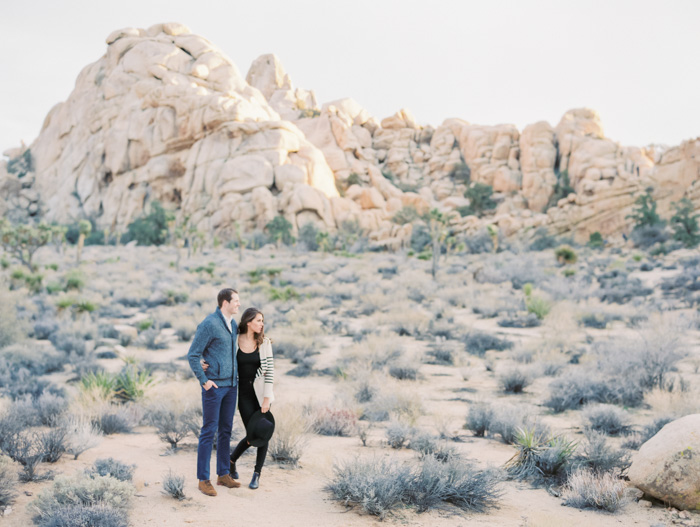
{"type": "Point", "coordinates": [216, 342]}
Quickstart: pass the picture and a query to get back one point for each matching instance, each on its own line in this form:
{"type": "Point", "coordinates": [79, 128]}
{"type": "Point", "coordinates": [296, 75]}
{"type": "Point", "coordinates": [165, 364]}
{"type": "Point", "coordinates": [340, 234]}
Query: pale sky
{"type": "Point", "coordinates": [636, 62]}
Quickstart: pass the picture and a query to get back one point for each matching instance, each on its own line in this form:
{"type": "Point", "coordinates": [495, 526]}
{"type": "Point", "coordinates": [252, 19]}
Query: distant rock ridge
{"type": "Point", "coordinates": [165, 115]}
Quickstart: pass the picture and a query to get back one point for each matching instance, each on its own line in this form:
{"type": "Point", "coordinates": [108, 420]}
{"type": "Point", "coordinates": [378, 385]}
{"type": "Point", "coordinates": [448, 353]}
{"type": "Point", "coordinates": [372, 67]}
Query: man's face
{"type": "Point", "coordinates": [231, 308]}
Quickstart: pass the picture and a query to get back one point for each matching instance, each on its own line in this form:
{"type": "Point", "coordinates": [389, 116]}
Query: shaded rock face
{"type": "Point", "coordinates": [668, 465]}
{"type": "Point", "coordinates": [165, 115]}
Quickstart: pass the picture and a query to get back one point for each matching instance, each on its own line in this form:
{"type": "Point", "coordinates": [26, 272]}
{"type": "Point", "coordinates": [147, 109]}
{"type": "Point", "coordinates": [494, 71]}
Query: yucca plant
{"type": "Point", "coordinates": [523, 464]}
{"type": "Point", "coordinates": [539, 456]}
{"type": "Point", "coordinates": [131, 384]}
{"type": "Point", "coordinates": [101, 384]}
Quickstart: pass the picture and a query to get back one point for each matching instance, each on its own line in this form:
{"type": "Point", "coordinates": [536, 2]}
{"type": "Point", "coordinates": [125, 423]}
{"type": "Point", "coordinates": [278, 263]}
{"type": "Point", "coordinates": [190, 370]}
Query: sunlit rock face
{"type": "Point", "coordinates": [166, 116]}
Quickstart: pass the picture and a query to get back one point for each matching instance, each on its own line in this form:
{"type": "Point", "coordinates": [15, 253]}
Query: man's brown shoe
{"type": "Point", "coordinates": [227, 481]}
{"type": "Point", "coordinates": [207, 488]}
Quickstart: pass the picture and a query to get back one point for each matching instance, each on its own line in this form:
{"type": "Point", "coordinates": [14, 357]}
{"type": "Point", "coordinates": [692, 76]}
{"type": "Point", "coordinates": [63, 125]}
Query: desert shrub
{"type": "Point", "coordinates": [185, 332]}
{"type": "Point", "coordinates": [52, 444]}
{"type": "Point", "coordinates": [115, 420]}
{"type": "Point", "coordinates": [542, 240]}
{"type": "Point", "coordinates": [334, 421]}
{"type": "Point", "coordinates": [85, 490]}
{"type": "Point", "coordinates": [112, 467]}
{"type": "Point", "coordinates": [479, 243]}
{"type": "Point", "coordinates": [50, 407]}
{"type": "Point", "coordinates": [288, 442]}
{"type": "Point", "coordinates": [595, 240]}
{"type": "Point", "coordinates": [420, 237]}
{"type": "Point", "coordinates": [440, 354]}
{"type": "Point", "coordinates": [456, 482]}
{"type": "Point", "coordinates": [577, 388]}
{"type": "Point", "coordinates": [594, 320]}
{"type": "Point", "coordinates": [393, 403]}
{"type": "Point", "coordinates": [8, 481]}
{"type": "Point", "coordinates": [403, 372]}
{"type": "Point", "coordinates": [365, 390]}
{"type": "Point", "coordinates": [398, 434]}
{"type": "Point", "coordinates": [150, 339]}
{"type": "Point", "coordinates": [37, 359]}
{"type": "Point", "coordinates": [587, 489]}
{"type": "Point", "coordinates": [174, 485]}
{"type": "Point", "coordinates": [172, 426]}
{"type": "Point", "coordinates": [654, 428]}
{"type": "Point", "coordinates": [428, 445]}
{"type": "Point", "coordinates": [606, 418]}
{"type": "Point", "coordinates": [479, 418]}
{"type": "Point", "coordinates": [531, 320]}
{"type": "Point", "coordinates": [596, 454]}
{"type": "Point", "coordinates": [81, 436]}
{"type": "Point", "coordinates": [480, 200]}
{"type": "Point", "coordinates": [508, 420]}
{"type": "Point", "coordinates": [376, 486]}
{"type": "Point", "coordinates": [515, 380]}
{"type": "Point", "coordinates": [88, 516]}
{"type": "Point", "coordinates": [648, 236]}
{"type": "Point", "coordinates": [44, 328]}
{"type": "Point", "coordinates": [478, 343]}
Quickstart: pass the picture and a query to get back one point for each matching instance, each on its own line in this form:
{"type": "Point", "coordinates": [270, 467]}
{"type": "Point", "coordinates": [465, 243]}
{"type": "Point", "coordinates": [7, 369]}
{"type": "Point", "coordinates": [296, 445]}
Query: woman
{"type": "Point", "coordinates": [255, 378]}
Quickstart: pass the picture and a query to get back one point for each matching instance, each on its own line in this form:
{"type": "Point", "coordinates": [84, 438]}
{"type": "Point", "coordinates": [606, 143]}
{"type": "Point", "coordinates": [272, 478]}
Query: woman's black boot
{"type": "Point", "coordinates": [255, 482]}
{"type": "Point", "coordinates": [233, 471]}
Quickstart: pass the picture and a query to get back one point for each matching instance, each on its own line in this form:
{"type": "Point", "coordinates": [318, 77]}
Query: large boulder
{"type": "Point", "coordinates": [668, 465]}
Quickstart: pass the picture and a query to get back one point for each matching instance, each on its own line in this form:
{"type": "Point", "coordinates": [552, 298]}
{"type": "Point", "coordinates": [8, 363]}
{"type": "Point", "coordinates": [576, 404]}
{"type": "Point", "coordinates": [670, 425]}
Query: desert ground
{"type": "Point", "coordinates": [373, 357]}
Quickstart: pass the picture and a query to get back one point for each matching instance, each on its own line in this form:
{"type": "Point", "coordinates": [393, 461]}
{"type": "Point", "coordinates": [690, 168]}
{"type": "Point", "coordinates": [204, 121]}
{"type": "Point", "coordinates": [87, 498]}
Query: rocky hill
{"type": "Point", "coordinates": [165, 115]}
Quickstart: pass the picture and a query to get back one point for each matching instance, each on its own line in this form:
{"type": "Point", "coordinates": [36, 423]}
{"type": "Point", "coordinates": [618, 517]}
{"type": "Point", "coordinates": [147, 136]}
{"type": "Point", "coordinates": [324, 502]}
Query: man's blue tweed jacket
{"type": "Point", "coordinates": [217, 345]}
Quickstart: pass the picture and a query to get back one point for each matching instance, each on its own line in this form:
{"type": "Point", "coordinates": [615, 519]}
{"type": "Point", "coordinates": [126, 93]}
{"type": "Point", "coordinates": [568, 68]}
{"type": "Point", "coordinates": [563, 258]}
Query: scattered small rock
{"type": "Point", "coordinates": [644, 504]}
{"type": "Point", "coordinates": [28, 493]}
{"type": "Point", "coordinates": [633, 493]}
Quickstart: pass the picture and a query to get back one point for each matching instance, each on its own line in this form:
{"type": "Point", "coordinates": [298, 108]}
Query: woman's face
{"type": "Point", "coordinates": [257, 324]}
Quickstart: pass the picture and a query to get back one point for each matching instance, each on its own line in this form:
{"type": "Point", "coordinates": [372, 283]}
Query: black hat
{"type": "Point", "coordinates": [260, 428]}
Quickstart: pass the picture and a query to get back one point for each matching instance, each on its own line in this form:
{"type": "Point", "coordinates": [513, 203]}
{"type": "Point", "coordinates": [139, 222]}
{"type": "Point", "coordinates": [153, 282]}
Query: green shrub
{"type": "Point", "coordinates": [685, 224]}
{"type": "Point", "coordinates": [644, 213]}
{"type": "Point", "coordinates": [151, 228]}
{"type": "Point", "coordinates": [308, 235]}
{"type": "Point", "coordinates": [284, 294]}
{"type": "Point", "coordinates": [480, 200]}
{"type": "Point", "coordinates": [8, 481]}
{"type": "Point", "coordinates": [280, 230]}
{"type": "Point", "coordinates": [460, 173]}
{"type": "Point", "coordinates": [538, 306]}
{"type": "Point", "coordinates": [566, 255]}
{"type": "Point", "coordinates": [144, 324]}
{"type": "Point", "coordinates": [407, 214]}
{"type": "Point", "coordinates": [562, 188]}
{"type": "Point", "coordinates": [595, 240]}
{"type": "Point", "coordinates": [131, 383]}
{"type": "Point", "coordinates": [75, 279]}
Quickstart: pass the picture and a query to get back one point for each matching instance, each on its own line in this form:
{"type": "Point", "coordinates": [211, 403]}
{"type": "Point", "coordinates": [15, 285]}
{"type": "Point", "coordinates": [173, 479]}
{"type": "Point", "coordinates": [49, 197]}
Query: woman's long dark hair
{"type": "Point", "coordinates": [248, 315]}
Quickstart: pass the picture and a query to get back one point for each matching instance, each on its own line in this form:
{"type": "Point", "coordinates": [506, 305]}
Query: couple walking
{"type": "Point", "coordinates": [232, 361]}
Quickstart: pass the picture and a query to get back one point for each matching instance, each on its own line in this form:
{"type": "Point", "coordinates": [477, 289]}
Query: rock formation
{"type": "Point", "coordinates": [165, 115]}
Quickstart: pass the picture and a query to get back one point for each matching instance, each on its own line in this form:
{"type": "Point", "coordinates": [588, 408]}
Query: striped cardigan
{"type": "Point", "coordinates": [266, 373]}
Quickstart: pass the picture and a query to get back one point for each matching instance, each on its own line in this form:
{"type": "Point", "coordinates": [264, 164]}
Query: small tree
{"type": "Point", "coordinates": [22, 241]}
{"type": "Point", "coordinates": [480, 200]}
{"type": "Point", "coordinates": [280, 230]}
{"type": "Point", "coordinates": [685, 223]}
{"type": "Point", "coordinates": [461, 173]}
{"type": "Point", "coordinates": [151, 228]}
{"type": "Point", "coordinates": [595, 240]}
{"type": "Point", "coordinates": [644, 213]}
{"type": "Point", "coordinates": [85, 228]}
{"type": "Point", "coordinates": [562, 188]}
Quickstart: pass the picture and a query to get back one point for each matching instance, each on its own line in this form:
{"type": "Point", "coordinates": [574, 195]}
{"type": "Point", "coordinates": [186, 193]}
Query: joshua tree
{"type": "Point", "coordinates": [84, 228]}
{"type": "Point", "coordinates": [22, 241]}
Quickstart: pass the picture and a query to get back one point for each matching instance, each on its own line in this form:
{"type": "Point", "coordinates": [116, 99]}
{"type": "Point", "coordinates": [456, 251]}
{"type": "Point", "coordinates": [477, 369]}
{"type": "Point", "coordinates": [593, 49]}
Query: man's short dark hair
{"type": "Point", "coordinates": [225, 295]}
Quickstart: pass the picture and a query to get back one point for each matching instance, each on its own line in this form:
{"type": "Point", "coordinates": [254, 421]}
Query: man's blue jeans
{"type": "Point", "coordinates": [218, 407]}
